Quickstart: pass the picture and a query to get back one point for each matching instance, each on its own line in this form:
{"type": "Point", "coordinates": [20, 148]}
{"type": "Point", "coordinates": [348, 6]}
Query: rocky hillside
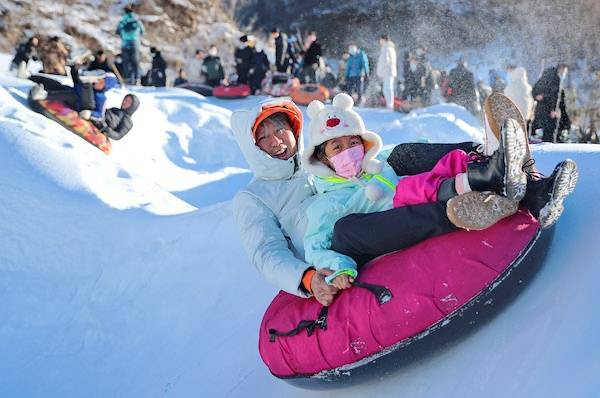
{"type": "Point", "coordinates": [177, 27]}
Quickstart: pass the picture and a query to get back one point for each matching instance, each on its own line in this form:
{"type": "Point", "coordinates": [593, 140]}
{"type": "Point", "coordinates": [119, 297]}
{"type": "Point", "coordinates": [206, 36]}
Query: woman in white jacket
{"type": "Point", "coordinates": [519, 90]}
{"type": "Point", "coordinates": [386, 69]}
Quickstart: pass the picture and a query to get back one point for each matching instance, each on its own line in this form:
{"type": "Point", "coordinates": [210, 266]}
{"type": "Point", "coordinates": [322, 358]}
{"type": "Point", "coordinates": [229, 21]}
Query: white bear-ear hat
{"type": "Point", "coordinates": [338, 120]}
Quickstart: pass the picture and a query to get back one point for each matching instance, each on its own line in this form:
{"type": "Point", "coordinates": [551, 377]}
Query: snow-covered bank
{"type": "Point", "coordinates": [112, 285]}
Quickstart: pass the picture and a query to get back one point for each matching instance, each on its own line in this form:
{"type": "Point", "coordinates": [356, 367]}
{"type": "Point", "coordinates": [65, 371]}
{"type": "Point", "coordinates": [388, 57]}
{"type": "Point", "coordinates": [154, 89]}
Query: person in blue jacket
{"type": "Point", "coordinates": [130, 29]}
{"type": "Point", "coordinates": [87, 98]}
{"type": "Point", "coordinates": [357, 70]}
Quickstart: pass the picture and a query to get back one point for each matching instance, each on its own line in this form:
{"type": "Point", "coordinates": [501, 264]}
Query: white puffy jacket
{"type": "Point", "coordinates": [519, 90]}
{"type": "Point", "coordinates": [386, 65]}
{"type": "Point", "coordinates": [270, 210]}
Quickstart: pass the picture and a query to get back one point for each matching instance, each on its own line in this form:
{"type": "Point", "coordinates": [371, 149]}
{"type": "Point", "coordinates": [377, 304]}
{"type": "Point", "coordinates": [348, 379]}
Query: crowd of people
{"type": "Point", "coordinates": [543, 105]}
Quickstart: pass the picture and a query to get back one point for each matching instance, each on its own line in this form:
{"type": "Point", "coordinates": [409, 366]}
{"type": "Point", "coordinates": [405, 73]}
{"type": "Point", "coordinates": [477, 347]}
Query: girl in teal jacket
{"type": "Point", "coordinates": [362, 183]}
{"type": "Point", "coordinates": [351, 176]}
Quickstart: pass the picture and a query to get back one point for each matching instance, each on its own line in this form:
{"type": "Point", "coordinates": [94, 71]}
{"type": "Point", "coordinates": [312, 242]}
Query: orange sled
{"type": "Point", "coordinates": [305, 93]}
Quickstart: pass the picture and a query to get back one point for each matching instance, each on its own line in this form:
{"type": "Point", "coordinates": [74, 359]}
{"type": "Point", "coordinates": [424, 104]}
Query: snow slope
{"type": "Point", "coordinates": [124, 275]}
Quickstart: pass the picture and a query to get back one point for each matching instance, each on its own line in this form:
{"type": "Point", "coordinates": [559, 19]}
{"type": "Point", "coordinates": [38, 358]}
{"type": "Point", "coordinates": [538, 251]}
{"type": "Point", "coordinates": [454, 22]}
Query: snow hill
{"type": "Point", "coordinates": [124, 275]}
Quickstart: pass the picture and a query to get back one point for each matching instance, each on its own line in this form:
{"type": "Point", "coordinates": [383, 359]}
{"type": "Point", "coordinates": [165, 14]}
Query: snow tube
{"type": "Point", "coordinates": [277, 84]}
{"type": "Point", "coordinates": [404, 105]}
{"type": "Point", "coordinates": [412, 302]}
{"type": "Point", "coordinates": [305, 93]}
{"type": "Point", "coordinates": [232, 91]}
{"type": "Point", "coordinates": [69, 119]}
{"type": "Point", "coordinates": [202, 89]}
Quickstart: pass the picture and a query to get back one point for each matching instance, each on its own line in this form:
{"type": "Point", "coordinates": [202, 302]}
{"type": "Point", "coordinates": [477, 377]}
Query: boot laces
{"type": "Point", "coordinates": [528, 166]}
{"type": "Point", "coordinates": [478, 154]}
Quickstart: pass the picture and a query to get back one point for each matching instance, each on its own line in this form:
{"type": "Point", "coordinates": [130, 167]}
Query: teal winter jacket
{"type": "Point", "coordinates": [338, 197]}
{"type": "Point", "coordinates": [130, 29]}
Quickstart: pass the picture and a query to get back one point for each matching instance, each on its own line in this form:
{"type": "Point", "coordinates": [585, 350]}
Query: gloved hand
{"type": "Point", "coordinates": [85, 114]}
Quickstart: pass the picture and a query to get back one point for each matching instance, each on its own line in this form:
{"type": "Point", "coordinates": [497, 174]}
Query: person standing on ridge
{"type": "Point", "coordinates": [312, 57]}
{"type": "Point", "coordinates": [461, 85]}
{"type": "Point", "coordinates": [243, 58]}
{"type": "Point", "coordinates": [386, 69]}
{"type": "Point", "coordinates": [357, 70]}
{"type": "Point", "coordinates": [546, 92]}
{"type": "Point", "coordinates": [130, 29]}
{"type": "Point", "coordinates": [212, 68]}
{"type": "Point", "coordinates": [282, 62]}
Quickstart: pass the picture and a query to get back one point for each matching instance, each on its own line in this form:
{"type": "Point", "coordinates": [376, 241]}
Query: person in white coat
{"type": "Point", "coordinates": [270, 210]}
{"type": "Point", "coordinates": [386, 69]}
{"type": "Point", "coordinates": [519, 90]}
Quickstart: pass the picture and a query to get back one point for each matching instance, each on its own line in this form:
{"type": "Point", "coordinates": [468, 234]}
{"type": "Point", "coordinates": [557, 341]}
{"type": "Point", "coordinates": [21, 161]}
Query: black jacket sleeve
{"type": "Point", "coordinates": [117, 123]}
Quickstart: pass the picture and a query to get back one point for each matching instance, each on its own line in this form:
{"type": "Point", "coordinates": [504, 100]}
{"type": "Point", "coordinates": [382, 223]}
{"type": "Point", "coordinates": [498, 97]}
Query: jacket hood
{"type": "Point", "coordinates": [135, 104]}
{"type": "Point", "coordinates": [243, 123]}
{"type": "Point", "coordinates": [327, 122]}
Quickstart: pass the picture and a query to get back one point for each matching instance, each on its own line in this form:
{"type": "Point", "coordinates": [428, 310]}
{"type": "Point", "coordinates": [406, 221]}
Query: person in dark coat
{"type": "Point", "coordinates": [181, 78]}
{"type": "Point", "coordinates": [414, 80]}
{"type": "Point", "coordinates": [117, 121]}
{"type": "Point", "coordinates": [157, 75]}
{"type": "Point", "coordinates": [259, 67]}
{"type": "Point", "coordinates": [461, 86]}
{"type": "Point", "coordinates": [243, 58]}
{"type": "Point", "coordinates": [546, 92]}
{"type": "Point", "coordinates": [312, 57]}
{"type": "Point", "coordinates": [101, 62]}
{"type": "Point", "coordinates": [212, 68]}
{"type": "Point", "coordinates": [25, 51]}
{"type": "Point", "coordinates": [282, 61]}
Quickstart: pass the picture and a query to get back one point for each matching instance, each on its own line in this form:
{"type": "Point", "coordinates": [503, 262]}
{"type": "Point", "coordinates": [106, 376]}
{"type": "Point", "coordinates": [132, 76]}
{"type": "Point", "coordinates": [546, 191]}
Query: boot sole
{"type": "Point", "coordinates": [479, 210]}
{"type": "Point", "coordinates": [498, 108]}
{"type": "Point", "coordinates": [515, 147]}
{"type": "Point", "coordinates": [564, 184]}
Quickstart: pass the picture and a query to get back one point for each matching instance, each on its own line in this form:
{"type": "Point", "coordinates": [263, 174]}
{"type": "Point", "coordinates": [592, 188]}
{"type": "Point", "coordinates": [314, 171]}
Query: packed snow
{"type": "Point", "coordinates": [124, 275]}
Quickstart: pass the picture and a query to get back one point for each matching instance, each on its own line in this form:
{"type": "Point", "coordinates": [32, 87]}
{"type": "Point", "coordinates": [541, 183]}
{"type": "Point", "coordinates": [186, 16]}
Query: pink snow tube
{"type": "Point", "coordinates": [428, 282]}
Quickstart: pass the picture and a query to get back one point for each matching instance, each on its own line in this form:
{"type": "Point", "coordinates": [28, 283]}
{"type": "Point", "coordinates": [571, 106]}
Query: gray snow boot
{"type": "Point", "coordinates": [502, 173]}
{"type": "Point", "coordinates": [544, 197]}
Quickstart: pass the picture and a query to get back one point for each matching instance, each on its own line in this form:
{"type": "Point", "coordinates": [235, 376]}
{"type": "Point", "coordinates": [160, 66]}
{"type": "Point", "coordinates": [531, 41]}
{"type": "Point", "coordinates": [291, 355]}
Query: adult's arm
{"type": "Point", "coordinates": [119, 27]}
{"type": "Point", "coordinates": [110, 82]}
{"type": "Point", "coordinates": [141, 25]}
{"type": "Point", "coordinates": [284, 48]}
{"type": "Point", "coordinates": [266, 245]}
{"type": "Point", "coordinates": [365, 61]}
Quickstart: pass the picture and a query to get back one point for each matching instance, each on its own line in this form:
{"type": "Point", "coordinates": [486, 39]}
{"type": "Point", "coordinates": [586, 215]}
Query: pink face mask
{"type": "Point", "coordinates": [348, 163]}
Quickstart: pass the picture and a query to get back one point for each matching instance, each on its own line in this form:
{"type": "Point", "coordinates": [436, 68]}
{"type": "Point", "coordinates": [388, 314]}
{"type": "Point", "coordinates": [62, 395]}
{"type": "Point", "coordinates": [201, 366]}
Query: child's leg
{"type": "Point", "coordinates": [413, 158]}
{"type": "Point", "coordinates": [424, 187]}
{"type": "Point", "coordinates": [365, 236]}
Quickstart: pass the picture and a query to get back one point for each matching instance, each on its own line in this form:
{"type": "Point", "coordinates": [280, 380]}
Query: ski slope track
{"type": "Point", "coordinates": [124, 275]}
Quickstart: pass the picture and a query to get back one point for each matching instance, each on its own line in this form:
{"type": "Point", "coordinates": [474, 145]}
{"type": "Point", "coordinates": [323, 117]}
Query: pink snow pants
{"type": "Point", "coordinates": [423, 188]}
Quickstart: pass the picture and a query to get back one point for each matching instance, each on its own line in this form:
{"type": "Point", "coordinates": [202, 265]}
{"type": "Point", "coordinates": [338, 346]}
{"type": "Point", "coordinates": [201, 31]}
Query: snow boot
{"type": "Point", "coordinates": [38, 93]}
{"type": "Point", "coordinates": [479, 210]}
{"type": "Point", "coordinates": [502, 173]}
{"type": "Point", "coordinates": [497, 109]}
{"type": "Point", "coordinates": [544, 197]}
